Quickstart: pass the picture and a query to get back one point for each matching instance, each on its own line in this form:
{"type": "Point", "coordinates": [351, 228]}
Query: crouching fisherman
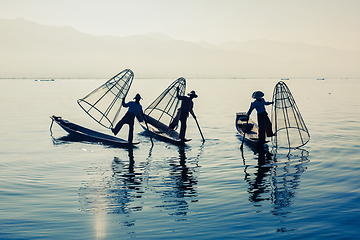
{"type": "Point", "coordinates": [135, 110]}
{"type": "Point", "coordinates": [262, 116]}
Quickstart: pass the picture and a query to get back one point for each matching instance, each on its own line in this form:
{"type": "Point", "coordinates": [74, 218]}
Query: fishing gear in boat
{"type": "Point", "coordinates": [104, 103]}
{"type": "Point", "coordinates": [247, 128]}
{"type": "Point", "coordinates": [290, 129]}
{"type": "Point", "coordinates": [162, 111]}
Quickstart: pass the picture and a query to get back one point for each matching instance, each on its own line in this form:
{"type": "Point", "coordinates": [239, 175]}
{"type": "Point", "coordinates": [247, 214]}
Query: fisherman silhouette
{"type": "Point", "coordinates": [262, 116]}
{"type": "Point", "coordinates": [135, 110]}
{"type": "Point", "coordinates": [187, 105]}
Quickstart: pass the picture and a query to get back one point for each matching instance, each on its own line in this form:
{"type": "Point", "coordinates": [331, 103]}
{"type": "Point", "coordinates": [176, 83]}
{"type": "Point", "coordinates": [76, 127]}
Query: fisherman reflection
{"type": "Point", "coordinates": [113, 191]}
{"type": "Point", "coordinates": [276, 179]}
{"type": "Point", "coordinates": [187, 180]}
{"type": "Point", "coordinates": [179, 186]}
{"type": "Point", "coordinates": [128, 182]}
{"type": "Point", "coordinates": [259, 185]}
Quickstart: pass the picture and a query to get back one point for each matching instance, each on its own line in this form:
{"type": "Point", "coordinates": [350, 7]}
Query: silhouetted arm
{"type": "Point", "coordinates": [249, 111]}
{"type": "Point", "coordinates": [123, 103]}
{"type": "Point", "coordinates": [177, 92]}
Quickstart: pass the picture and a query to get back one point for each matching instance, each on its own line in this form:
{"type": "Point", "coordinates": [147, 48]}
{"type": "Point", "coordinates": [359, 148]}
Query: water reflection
{"type": "Point", "coordinates": [258, 184]}
{"type": "Point", "coordinates": [178, 189]}
{"type": "Point", "coordinates": [69, 139]}
{"type": "Point", "coordinates": [276, 178]}
{"type": "Point", "coordinates": [64, 140]}
{"type": "Point", "coordinates": [285, 178]}
{"type": "Point", "coordinates": [127, 186]}
{"type": "Point", "coordinates": [113, 191]}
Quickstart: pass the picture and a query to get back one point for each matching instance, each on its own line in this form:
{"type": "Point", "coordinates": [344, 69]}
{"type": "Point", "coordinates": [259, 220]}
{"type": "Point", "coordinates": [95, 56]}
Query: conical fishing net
{"type": "Point", "coordinates": [104, 103]}
{"type": "Point", "coordinates": [164, 109]}
{"type": "Point", "coordinates": [290, 129]}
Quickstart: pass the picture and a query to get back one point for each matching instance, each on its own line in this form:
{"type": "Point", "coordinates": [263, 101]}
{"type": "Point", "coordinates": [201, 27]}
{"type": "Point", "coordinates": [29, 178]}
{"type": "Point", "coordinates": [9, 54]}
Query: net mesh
{"type": "Point", "coordinates": [104, 103]}
{"type": "Point", "coordinates": [164, 108]}
{"type": "Point", "coordinates": [290, 128]}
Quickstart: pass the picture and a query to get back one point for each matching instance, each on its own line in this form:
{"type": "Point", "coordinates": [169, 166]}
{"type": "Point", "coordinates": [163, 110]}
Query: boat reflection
{"type": "Point", "coordinates": [64, 140]}
{"type": "Point", "coordinates": [276, 178]}
{"type": "Point", "coordinates": [69, 139]}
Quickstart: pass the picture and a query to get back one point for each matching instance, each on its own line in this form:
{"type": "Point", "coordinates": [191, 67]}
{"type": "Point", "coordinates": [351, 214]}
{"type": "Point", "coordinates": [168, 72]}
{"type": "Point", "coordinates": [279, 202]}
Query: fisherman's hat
{"type": "Point", "coordinates": [137, 96]}
{"type": "Point", "coordinates": [257, 94]}
{"type": "Point", "coordinates": [192, 94]}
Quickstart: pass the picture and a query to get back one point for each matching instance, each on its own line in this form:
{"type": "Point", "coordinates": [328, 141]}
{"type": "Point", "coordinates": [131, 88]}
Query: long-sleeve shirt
{"type": "Point", "coordinates": [258, 105]}
{"type": "Point", "coordinates": [186, 105]}
{"type": "Point", "coordinates": [134, 108]}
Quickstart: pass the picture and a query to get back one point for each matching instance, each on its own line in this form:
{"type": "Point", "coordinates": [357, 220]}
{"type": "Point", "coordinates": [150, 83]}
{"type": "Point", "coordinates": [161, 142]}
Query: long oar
{"type": "Point", "coordinates": [199, 129]}
{"type": "Point", "coordinates": [147, 127]}
{"type": "Point", "coordinates": [242, 143]}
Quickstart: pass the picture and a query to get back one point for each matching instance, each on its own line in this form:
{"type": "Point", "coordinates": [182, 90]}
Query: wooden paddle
{"type": "Point", "coordinates": [242, 143]}
{"type": "Point", "coordinates": [199, 128]}
{"type": "Point", "coordinates": [147, 127]}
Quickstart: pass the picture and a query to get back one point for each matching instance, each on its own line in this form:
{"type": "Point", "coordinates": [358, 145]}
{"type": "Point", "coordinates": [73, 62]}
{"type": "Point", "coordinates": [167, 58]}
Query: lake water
{"type": "Point", "coordinates": [51, 188]}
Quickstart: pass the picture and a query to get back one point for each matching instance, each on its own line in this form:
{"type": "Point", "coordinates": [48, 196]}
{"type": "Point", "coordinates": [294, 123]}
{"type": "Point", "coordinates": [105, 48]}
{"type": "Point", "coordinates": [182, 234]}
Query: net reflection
{"type": "Point", "coordinates": [178, 188]}
{"type": "Point", "coordinates": [276, 178]}
{"type": "Point", "coordinates": [285, 178]}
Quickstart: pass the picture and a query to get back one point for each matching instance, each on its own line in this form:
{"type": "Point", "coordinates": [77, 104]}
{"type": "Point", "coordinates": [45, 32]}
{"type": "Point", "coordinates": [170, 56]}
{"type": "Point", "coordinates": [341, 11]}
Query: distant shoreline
{"type": "Point", "coordinates": [200, 78]}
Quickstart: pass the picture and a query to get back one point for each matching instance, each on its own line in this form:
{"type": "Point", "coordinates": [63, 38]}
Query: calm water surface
{"type": "Point", "coordinates": [55, 188]}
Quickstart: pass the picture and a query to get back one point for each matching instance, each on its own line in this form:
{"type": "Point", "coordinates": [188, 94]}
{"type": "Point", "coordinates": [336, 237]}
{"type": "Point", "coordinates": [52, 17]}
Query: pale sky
{"type": "Point", "coordinates": [333, 23]}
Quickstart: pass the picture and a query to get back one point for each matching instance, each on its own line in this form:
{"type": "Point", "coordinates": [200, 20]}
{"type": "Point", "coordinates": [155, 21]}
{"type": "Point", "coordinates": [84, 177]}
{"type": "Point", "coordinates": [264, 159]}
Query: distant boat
{"type": "Point", "coordinates": [45, 80]}
{"type": "Point", "coordinates": [284, 79]}
{"type": "Point", "coordinates": [321, 79]}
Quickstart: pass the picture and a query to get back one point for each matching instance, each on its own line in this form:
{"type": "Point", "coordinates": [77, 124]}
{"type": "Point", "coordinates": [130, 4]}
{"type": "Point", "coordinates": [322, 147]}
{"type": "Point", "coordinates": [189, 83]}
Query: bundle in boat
{"type": "Point", "coordinates": [104, 103]}
{"type": "Point", "coordinates": [162, 111]}
{"type": "Point", "coordinates": [290, 129]}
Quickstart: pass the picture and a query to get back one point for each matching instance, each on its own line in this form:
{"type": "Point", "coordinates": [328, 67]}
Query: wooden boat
{"type": "Point", "coordinates": [161, 131]}
{"type": "Point", "coordinates": [250, 128]}
{"type": "Point", "coordinates": [88, 134]}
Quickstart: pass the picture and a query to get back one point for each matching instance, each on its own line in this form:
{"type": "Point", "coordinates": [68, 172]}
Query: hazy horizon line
{"type": "Point", "coordinates": [194, 78]}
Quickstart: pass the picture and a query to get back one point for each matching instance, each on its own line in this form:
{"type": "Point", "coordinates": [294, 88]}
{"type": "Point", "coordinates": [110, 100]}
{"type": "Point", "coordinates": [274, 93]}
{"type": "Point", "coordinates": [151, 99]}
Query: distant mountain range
{"type": "Point", "coordinates": [31, 50]}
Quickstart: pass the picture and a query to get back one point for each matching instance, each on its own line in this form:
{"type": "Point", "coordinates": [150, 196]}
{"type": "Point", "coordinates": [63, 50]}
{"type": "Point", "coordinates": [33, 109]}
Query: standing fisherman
{"type": "Point", "coordinates": [187, 105]}
{"type": "Point", "coordinates": [262, 116]}
{"type": "Point", "coordinates": [135, 110]}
